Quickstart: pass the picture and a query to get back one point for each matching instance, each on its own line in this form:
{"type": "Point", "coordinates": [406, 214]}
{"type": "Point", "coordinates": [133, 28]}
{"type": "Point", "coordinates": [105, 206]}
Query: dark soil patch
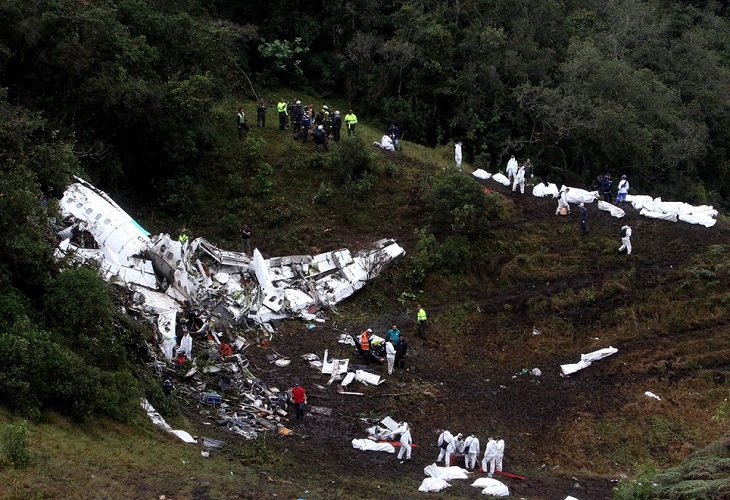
{"type": "Point", "coordinates": [469, 381]}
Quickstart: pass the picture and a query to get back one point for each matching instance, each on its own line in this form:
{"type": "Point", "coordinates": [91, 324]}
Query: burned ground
{"type": "Point", "coordinates": [568, 435]}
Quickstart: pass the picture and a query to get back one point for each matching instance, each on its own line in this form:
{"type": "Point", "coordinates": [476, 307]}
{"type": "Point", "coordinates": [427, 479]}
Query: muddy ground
{"type": "Point", "coordinates": [469, 381]}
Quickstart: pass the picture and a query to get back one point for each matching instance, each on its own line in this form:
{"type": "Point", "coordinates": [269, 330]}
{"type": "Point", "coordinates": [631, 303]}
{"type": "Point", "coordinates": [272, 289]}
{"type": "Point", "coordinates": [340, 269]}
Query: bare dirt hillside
{"type": "Point", "coordinates": [572, 435]}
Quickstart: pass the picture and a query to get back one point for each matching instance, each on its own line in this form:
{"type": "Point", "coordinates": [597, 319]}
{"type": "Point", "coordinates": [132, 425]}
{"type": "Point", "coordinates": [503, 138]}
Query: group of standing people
{"type": "Point", "coordinates": [324, 125]}
{"type": "Point", "coordinates": [603, 184]}
{"type": "Point", "coordinates": [453, 446]}
{"type": "Point", "coordinates": [518, 173]}
{"type": "Point", "coordinates": [396, 347]}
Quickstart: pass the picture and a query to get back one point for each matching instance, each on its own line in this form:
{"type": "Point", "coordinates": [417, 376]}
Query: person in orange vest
{"type": "Point", "coordinates": [365, 344]}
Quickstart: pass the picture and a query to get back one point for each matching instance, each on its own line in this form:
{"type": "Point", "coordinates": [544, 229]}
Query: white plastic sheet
{"type": "Point", "coordinates": [501, 178]}
{"type": "Point", "coordinates": [612, 209]}
{"type": "Point", "coordinates": [587, 359]}
{"type": "Point", "coordinates": [577, 195]}
{"type": "Point", "coordinates": [481, 174]}
{"type": "Point", "coordinates": [433, 485]}
{"type": "Point", "coordinates": [368, 445]}
{"type": "Point", "coordinates": [701, 219]}
{"type": "Point", "coordinates": [673, 211]}
{"type": "Point", "coordinates": [639, 201]}
{"type": "Point", "coordinates": [658, 215]}
{"type": "Point", "coordinates": [491, 486]}
{"type": "Point", "coordinates": [542, 190]}
{"type": "Point", "coordinates": [446, 473]}
{"type": "Point", "coordinates": [650, 394]}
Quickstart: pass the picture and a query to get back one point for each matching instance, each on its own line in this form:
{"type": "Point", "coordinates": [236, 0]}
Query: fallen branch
{"type": "Point", "coordinates": [249, 82]}
{"type": "Point", "coordinates": [425, 393]}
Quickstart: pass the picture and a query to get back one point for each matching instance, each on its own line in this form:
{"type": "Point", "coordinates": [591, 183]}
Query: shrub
{"type": "Point", "coordinates": [352, 165]}
{"type": "Point", "coordinates": [454, 253]}
{"type": "Point", "coordinates": [78, 305]}
{"type": "Point", "coordinates": [643, 488]}
{"type": "Point", "coordinates": [458, 204]}
{"type": "Point", "coordinates": [325, 194]}
{"type": "Point", "coordinates": [263, 181]}
{"type": "Point", "coordinates": [180, 196]}
{"type": "Point", "coordinates": [391, 170]}
{"type": "Point", "coordinates": [364, 185]}
{"type": "Point", "coordinates": [15, 449]}
{"type": "Point", "coordinates": [237, 185]}
{"type": "Point", "coordinates": [253, 150]}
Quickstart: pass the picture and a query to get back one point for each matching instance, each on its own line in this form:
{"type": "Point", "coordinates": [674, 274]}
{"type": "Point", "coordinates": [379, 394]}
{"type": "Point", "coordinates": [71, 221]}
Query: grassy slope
{"type": "Point", "coordinates": [662, 305]}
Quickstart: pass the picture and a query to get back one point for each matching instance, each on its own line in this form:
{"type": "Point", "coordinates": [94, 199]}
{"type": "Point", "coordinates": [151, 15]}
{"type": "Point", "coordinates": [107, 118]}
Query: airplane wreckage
{"type": "Point", "coordinates": [212, 293]}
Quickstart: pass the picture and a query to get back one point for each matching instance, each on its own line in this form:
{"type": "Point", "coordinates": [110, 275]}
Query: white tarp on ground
{"type": "Point", "coordinates": [658, 215]}
{"type": "Point", "coordinates": [639, 201]}
{"type": "Point", "coordinates": [491, 486]}
{"type": "Point", "coordinates": [701, 219]}
{"type": "Point", "coordinates": [655, 208]}
{"type": "Point", "coordinates": [542, 190]}
{"type": "Point", "coordinates": [587, 359]}
{"type": "Point", "coordinates": [481, 174]}
{"type": "Point", "coordinates": [577, 195]}
{"type": "Point", "coordinates": [368, 445]}
{"type": "Point", "coordinates": [433, 485]}
{"type": "Point", "coordinates": [612, 209]}
{"type": "Point", "coordinates": [501, 178]}
{"type": "Point", "coordinates": [446, 473]}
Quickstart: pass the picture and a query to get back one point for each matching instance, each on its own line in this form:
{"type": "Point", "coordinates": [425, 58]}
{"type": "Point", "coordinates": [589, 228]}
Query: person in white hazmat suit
{"type": "Point", "coordinates": [385, 143]}
{"type": "Point", "coordinates": [500, 455]}
{"type": "Point", "coordinates": [458, 156]}
{"type": "Point", "coordinates": [563, 202]}
{"type": "Point", "coordinates": [456, 447]}
{"type": "Point", "coordinates": [625, 240]}
{"type": "Point", "coordinates": [186, 345]}
{"type": "Point", "coordinates": [511, 168]}
{"type": "Point", "coordinates": [490, 457]}
{"type": "Point", "coordinates": [445, 440]}
{"type": "Point", "coordinates": [390, 356]}
{"type": "Point", "coordinates": [519, 180]}
{"type": "Point", "coordinates": [405, 442]}
{"type": "Point", "coordinates": [471, 451]}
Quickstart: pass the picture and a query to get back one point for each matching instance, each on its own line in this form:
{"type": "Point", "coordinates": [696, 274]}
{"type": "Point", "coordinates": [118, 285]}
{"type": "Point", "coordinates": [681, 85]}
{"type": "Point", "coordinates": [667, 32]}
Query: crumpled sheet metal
{"type": "Point", "coordinates": [285, 287]}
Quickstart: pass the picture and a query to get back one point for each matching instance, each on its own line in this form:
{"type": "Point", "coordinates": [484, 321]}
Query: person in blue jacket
{"type": "Point", "coordinates": [394, 335]}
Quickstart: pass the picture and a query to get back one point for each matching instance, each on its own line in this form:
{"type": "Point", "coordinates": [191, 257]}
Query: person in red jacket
{"type": "Point", "coordinates": [299, 396]}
